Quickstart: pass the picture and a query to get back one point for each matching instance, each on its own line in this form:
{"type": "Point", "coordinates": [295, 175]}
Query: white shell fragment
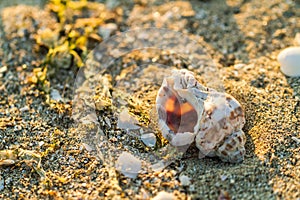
{"type": "Point", "coordinates": [190, 112]}
{"type": "Point", "coordinates": [127, 121]}
{"type": "Point", "coordinates": [289, 60]}
{"type": "Point", "coordinates": [128, 165]}
{"type": "Point", "coordinates": [149, 139]}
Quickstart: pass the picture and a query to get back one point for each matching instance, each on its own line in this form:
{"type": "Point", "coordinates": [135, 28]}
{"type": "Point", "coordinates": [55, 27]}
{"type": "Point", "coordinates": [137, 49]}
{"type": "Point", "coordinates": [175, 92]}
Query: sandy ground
{"type": "Point", "coordinates": [244, 39]}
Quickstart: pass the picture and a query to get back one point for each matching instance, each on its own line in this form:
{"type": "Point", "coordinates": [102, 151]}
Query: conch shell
{"type": "Point", "coordinates": [189, 112]}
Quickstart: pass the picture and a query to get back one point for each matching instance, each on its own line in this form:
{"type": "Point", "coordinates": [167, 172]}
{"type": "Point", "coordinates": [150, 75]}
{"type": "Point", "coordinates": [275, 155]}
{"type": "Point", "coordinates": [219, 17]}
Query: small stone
{"type": "Point", "coordinates": [3, 69]}
{"type": "Point", "coordinates": [25, 108]}
{"type": "Point", "coordinates": [184, 180]}
{"type": "Point", "coordinates": [128, 165]}
{"type": "Point", "coordinates": [8, 181]}
{"type": "Point", "coordinates": [41, 143]}
{"type": "Point", "coordinates": [223, 177]}
{"type": "Point", "coordinates": [106, 30]}
{"type": "Point", "coordinates": [149, 139]}
{"type": "Point", "coordinates": [289, 60]}
{"type": "Point", "coordinates": [1, 184]}
{"type": "Point", "coordinates": [54, 94]}
{"type": "Point", "coordinates": [106, 119]}
{"type": "Point", "coordinates": [164, 196]}
{"type": "Point", "coordinates": [17, 128]}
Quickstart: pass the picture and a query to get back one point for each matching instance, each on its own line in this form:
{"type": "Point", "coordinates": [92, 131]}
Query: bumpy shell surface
{"type": "Point", "coordinates": [189, 112]}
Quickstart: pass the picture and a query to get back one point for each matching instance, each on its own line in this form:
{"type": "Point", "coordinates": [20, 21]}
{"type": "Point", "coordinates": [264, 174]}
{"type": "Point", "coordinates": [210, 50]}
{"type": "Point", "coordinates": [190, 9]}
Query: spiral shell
{"type": "Point", "coordinates": [188, 112]}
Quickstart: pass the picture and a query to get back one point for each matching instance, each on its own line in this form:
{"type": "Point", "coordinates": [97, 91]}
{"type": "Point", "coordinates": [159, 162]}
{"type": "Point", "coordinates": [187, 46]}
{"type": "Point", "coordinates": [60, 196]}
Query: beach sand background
{"type": "Point", "coordinates": [243, 37]}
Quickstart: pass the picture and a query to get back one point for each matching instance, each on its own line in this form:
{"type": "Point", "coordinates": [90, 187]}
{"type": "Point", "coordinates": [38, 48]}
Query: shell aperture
{"type": "Point", "coordinates": [180, 114]}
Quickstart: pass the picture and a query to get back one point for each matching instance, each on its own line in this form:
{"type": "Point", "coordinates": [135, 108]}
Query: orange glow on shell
{"type": "Point", "coordinates": [177, 111]}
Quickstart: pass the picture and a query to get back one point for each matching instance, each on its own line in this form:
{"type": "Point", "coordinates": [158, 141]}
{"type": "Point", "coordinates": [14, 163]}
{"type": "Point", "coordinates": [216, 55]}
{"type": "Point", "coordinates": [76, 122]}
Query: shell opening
{"type": "Point", "coordinates": [180, 115]}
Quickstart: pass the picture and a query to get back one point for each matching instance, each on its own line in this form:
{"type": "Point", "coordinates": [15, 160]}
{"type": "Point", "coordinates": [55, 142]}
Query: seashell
{"type": "Point", "coordinates": [289, 60]}
{"type": "Point", "coordinates": [188, 112]}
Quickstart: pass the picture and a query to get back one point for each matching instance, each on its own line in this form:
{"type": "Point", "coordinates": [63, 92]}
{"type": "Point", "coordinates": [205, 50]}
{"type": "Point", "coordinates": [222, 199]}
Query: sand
{"type": "Point", "coordinates": [243, 38]}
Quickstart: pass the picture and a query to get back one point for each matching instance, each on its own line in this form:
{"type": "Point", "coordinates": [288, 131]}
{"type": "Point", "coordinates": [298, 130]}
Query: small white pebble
{"type": "Point", "coordinates": [41, 143]}
{"type": "Point", "coordinates": [164, 196]}
{"type": "Point", "coordinates": [25, 108]}
{"type": "Point", "coordinates": [17, 128]}
{"type": "Point", "coordinates": [3, 69]}
{"type": "Point", "coordinates": [106, 119]}
{"type": "Point", "coordinates": [223, 177]}
{"type": "Point", "coordinates": [289, 60]}
{"type": "Point", "coordinates": [184, 180]}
